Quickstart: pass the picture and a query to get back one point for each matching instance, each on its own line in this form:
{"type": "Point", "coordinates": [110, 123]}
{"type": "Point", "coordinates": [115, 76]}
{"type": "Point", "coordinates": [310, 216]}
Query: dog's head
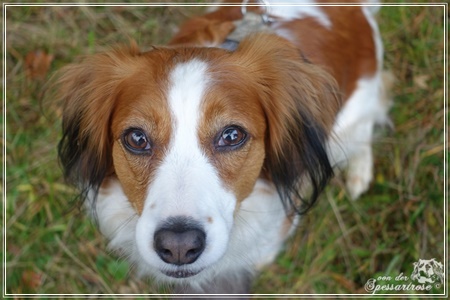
{"type": "Point", "coordinates": [428, 271]}
{"type": "Point", "coordinates": [188, 131]}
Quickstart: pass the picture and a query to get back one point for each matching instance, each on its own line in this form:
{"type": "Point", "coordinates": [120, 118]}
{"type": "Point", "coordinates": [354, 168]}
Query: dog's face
{"type": "Point", "coordinates": [188, 131]}
{"type": "Point", "coordinates": [186, 150]}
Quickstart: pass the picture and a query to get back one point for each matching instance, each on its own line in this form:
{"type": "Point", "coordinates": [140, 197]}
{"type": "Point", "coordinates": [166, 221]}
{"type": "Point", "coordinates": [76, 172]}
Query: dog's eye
{"type": "Point", "coordinates": [136, 141]}
{"type": "Point", "coordinates": [231, 138]}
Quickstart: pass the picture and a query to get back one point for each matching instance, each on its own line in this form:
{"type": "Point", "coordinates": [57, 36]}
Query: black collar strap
{"type": "Point", "coordinates": [230, 45]}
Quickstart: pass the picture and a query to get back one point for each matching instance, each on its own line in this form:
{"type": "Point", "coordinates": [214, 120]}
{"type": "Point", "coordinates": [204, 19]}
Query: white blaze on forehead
{"type": "Point", "coordinates": [192, 182]}
{"type": "Point", "coordinates": [185, 163]}
{"type": "Point", "coordinates": [185, 159]}
{"type": "Point", "coordinates": [186, 183]}
{"type": "Point", "coordinates": [188, 83]}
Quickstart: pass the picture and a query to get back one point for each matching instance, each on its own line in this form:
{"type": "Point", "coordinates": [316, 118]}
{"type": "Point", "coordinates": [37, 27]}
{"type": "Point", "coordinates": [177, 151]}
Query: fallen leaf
{"type": "Point", "coordinates": [91, 278]}
{"type": "Point", "coordinates": [37, 64]}
{"type": "Point", "coordinates": [421, 81]}
{"type": "Point", "coordinates": [31, 279]}
{"type": "Point", "coordinates": [345, 282]}
{"type": "Point", "coordinates": [14, 249]}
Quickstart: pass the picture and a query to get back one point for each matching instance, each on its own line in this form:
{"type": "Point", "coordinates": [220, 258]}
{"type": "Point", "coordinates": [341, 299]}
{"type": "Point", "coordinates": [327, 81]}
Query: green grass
{"type": "Point", "coordinates": [53, 248]}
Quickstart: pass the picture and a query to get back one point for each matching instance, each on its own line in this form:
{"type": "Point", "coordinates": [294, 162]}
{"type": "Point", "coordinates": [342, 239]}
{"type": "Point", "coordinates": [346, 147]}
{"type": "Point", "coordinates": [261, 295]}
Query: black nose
{"type": "Point", "coordinates": [180, 241]}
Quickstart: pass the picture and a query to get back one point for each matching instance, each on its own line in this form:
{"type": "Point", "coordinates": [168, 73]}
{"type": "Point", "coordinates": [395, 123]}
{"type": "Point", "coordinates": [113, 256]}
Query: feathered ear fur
{"type": "Point", "coordinates": [88, 91]}
{"type": "Point", "coordinates": [300, 101]}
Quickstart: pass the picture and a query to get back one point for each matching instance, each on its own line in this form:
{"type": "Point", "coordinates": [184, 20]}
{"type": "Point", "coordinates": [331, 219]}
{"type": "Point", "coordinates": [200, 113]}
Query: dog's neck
{"type": "Point", "coordinates": [250, 23]}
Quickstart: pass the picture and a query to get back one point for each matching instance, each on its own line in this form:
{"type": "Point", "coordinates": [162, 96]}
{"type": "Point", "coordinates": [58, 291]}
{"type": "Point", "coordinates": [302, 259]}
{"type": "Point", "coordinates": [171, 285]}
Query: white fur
{"type": "Point", "coordinates": [298, 9]}
{"type": "Point", "coordinates": [186, 183]}
{"type": "Point", "coordinates": [369, 13]}
{"type": "Point", "coordinates": [351, 143]}
{"type": "Point", "coordinates": [291, 9]}
{"type": "Point", "coordinates": [116, 219]}
{"type": "Point", "coordinates": [352, 134]}
{"type": "Point", "coordinates": [255, 240]}
{"type": "Point", "coordinates": [373, 6]}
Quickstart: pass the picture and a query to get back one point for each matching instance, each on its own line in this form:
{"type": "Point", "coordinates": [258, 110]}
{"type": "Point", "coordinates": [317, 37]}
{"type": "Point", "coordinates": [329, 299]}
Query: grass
{"type": "Point", "coordinates": [52, 248]}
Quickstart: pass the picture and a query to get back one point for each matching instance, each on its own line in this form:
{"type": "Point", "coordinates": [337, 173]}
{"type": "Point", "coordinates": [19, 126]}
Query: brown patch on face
{"type": "Point", "coordinates": [266, 89]}
{"type": "Point", "coordinates": [286, 105]}
{"type": "Point", "coordinates": [142, 105]}
{"type": "Point", "coordinates": [347, 50]}
{"type": "Point", "coordinates": [231, 102]}
{"type": "Point", "coordinates": [289, 89]}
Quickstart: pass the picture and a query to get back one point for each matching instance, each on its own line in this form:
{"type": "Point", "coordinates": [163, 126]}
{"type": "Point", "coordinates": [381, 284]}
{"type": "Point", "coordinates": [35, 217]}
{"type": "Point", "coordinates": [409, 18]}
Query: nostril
{"type": "Point", "coordinates": [166, 253]}
{"type": "Point", "coordinates": [193, 252]}
{"type": "Point", "coordinates": [179, 245]}
{"type": "Point", "coordinates": [196, 249]}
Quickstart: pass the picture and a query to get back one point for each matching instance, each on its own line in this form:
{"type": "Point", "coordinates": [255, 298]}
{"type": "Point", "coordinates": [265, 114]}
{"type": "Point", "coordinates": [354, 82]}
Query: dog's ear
{"type": "Point", "coordinates": [88, 91]}
{"type": "Point", "coordinates": [300, 102]}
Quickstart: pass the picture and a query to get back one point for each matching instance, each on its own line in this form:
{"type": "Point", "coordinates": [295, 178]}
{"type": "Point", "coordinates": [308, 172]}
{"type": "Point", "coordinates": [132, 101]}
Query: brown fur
{"type": "Point", "coordinates": [346, 52]}
{"type": "Point", "coordinates": [287, 85]}
{"type": "Point", "coordinates": [110, 92]}
{"type": "Point", "coordinates": [123, 89]}
{"type": "Point", "coordinates": [88, 91]}
{"type": "Point", "coordinates": [142, 104]}
{"type": "Point", "coordinates": [284, 94]}
{"type": "Point", "coordinates": [278, 85]}
{"type": "Point", "coordinates": [104, 95]}
{"type": "Point", "coordinates": [346, 57]}
{"type": "Point", "coordinates": [207, 30]}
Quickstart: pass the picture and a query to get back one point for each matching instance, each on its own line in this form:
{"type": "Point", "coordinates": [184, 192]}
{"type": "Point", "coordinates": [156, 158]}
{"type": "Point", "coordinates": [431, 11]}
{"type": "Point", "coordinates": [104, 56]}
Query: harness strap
{"type": "Point", "coordinates": [250, 23]}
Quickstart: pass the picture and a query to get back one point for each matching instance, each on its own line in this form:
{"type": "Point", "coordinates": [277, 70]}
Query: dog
{"type": "Point", "coordinates": [197, 158]}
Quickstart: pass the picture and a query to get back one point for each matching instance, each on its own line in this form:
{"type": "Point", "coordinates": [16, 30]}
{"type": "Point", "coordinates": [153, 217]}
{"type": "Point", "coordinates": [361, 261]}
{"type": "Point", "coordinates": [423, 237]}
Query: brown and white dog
{"type": "Point", "coordinates": [196, 158]}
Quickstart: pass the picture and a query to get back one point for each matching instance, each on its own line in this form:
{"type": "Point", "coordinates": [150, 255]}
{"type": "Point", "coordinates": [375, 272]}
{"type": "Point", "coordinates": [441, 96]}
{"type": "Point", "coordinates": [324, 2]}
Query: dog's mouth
{"type": "Point", "coordinates": [181, 273]}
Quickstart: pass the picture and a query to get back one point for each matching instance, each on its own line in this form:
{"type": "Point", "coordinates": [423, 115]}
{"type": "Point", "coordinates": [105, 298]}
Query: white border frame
{"type": "Point", "coordinates": [443, 295]}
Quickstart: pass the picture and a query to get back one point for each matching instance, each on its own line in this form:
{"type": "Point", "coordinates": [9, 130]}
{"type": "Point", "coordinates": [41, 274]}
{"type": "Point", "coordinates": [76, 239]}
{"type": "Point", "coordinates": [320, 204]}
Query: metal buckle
{"type": "Point", "coordinates": [264, 16]}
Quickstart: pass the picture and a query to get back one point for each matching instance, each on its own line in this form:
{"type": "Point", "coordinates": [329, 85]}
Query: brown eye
{"type": "Point", "coordinates": [231, 138]}
{"type": "Point", "coordinates": [136, 141]}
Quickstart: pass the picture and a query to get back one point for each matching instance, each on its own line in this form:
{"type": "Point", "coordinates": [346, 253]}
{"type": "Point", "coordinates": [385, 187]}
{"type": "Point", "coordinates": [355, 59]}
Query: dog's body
{"type": "Point", "coordinates": [196, 160]}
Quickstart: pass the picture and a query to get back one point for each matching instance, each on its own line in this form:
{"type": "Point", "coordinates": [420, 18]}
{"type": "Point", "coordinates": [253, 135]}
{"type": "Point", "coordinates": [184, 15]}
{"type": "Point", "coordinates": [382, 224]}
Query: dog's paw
{"type": "Point", "coordinates": [360, 174]}
{"type": "Point", "coordinates": [357, 185]}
